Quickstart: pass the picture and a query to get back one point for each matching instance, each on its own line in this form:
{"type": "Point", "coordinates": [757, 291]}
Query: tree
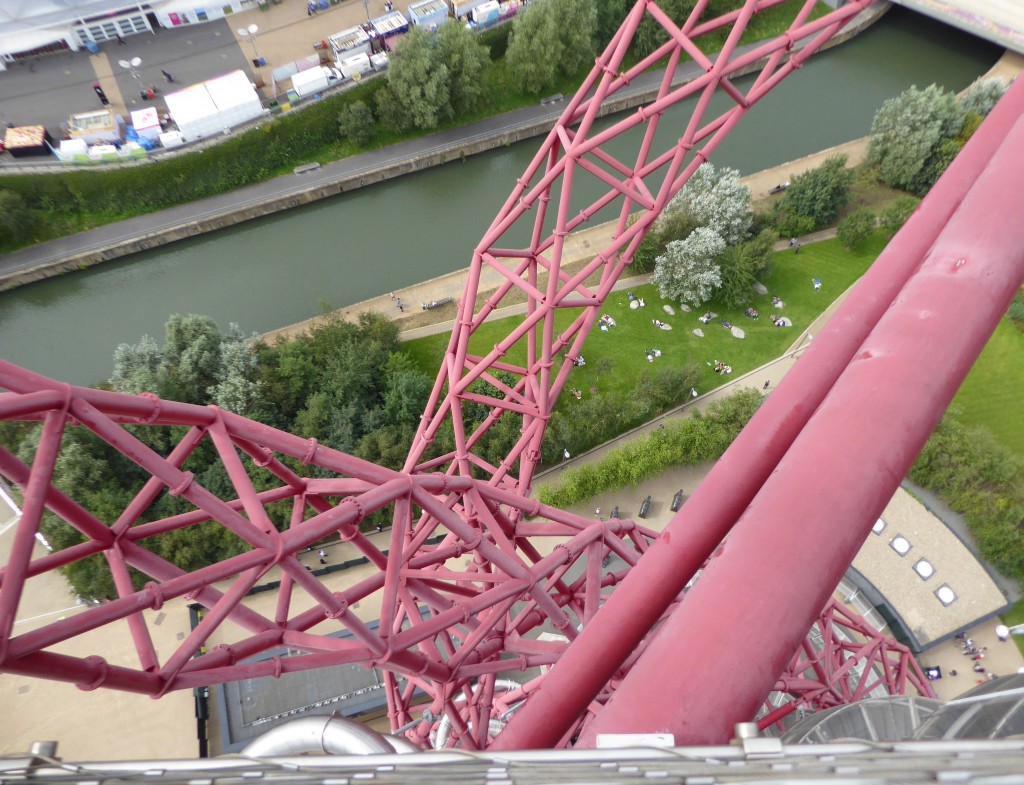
{"type": "Point", "coordinates": [550, 40]}
{"type": "Point", "coordinates": [715, 198]}
{"type": "Point", "coordinates": [466, 59]}
{"type": "Point", "coordinates": [895, 215]}
{"type": "Point", "coordinates": [137, 367]}
{"type": "Point", "coordinates": [856, 228]}
{"type": "Point", "coordinates": [191, 357]}
{"type": "Point", "coordinates": [355, 123]}
{"type": "Point", "coordinates": [688, 270]}
{"type": "Point", "coordinates": [236, 390]}
{"type": "Point", "coordinates": [418, 79]}
{"type": "Point", "coordinates": [15, 218]}
{"type": "Point", "coordinates": [576, 20]}
{"type": "Point", "coordinates": [533, 48]}
{"type": "Point", "coordinates": [819, 193]}
{"type": "Point", "coordinates": [982, 95]}
{"type": "Point", "coordinates": [742, 265]}
{"type": "Point", "coordinates": [906, 131]}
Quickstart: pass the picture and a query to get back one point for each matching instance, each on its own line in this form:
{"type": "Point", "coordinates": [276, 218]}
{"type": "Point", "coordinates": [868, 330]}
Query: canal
{"type": "Point", "coordinates": [291, 266]}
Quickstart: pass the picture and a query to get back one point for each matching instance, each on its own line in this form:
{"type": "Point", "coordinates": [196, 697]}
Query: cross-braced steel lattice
{"type": "Point", "coordinates": [842, 660]}
{"type": "Point", "coordinates": [561, 304]}
{"type": "Point", "coordinates": [478, 588]}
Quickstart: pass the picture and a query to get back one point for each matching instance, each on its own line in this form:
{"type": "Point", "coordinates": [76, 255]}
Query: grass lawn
{"type": "Point", "coordinates": [626, 346]}
{"type": "Point", "coordinates": [990, 395]}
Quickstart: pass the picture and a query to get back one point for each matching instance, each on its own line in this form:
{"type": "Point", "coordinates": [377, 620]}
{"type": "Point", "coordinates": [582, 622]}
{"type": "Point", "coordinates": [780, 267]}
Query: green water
{"type": "Point", "coordinates": [288, 267]}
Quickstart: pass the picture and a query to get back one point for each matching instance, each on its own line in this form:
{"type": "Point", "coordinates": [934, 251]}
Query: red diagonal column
{"type": "Point", "coordinates": [763, 588]}
{"type": "Point", "coordinates": [724, 494]}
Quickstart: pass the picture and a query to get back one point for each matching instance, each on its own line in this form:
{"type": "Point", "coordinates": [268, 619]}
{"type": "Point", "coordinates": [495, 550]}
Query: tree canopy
{"type": "Point", "coordinates": [418, 83]}
{"type": "Point", "coordinates": [688, 271]}
{"type": "Point", "coordinates": [819, 193]}
{"type": "Point", "coordinates": [550, 41]}
{"type": "Point", "coordinates": [715, 198]}
{"type": "Point", "coordinates": [907, 133]}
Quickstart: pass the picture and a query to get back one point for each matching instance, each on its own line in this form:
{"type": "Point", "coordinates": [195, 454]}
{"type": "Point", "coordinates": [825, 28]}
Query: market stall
{"type": "Point", "coordinates": [95, 127]}
{"type": "Point", "coordinates": [28, 140]}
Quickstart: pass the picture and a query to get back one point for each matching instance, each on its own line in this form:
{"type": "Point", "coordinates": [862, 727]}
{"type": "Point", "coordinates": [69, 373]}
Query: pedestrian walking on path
{"type": "Point", "coordinates": [167, 76]}
{"type": "Point", "coordinates": [323, 556]}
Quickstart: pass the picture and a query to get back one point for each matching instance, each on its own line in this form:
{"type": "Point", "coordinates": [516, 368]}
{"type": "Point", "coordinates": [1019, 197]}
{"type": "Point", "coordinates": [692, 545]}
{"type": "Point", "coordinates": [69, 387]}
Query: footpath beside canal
{"type": "Point", "coordinates": [166, 226]}
{"type": "Point", "coordinates": [579, 247]}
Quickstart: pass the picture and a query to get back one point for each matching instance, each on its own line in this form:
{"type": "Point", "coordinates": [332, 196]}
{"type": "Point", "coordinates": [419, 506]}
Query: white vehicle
{"type": "Point", "coordinates": [312, 80]}
{"type": "Point", "coordinates": [354, 66]}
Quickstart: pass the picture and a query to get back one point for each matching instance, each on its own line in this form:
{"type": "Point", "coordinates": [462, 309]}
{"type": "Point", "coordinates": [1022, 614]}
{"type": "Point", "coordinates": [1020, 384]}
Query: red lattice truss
{"type": "Point", "coordinates": [451, 628]}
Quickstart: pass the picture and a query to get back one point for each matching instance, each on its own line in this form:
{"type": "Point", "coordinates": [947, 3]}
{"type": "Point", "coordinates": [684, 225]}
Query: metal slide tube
{"type": "Point", "coordinates": [699, 676]}
{"type": "Point", "coordinates": [330, 735]}
{"type": "Point", "coordinates": [724, 494]}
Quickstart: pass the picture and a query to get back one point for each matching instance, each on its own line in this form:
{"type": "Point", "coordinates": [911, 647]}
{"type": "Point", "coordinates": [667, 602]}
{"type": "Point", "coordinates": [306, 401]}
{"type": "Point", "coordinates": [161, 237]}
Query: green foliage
{"type": "Point", "coordinates": [689, 440]}
{"type": "Point", "coordinates": [1016, 309]}
{"type": "Point", "coordinates": [419, 79]}
{"type": "Point", "coordinates": [942, 156]}
{"type": "Point", "coordinates": [551, 40]}
{"type": "Point", "coordinates": [715, 198]}
{"type": "Point", "coordinates": [688, 271]}
{"type": "Point", "coordinates": [794, 225]}
{"type": "Point", "coordinates": [981, 480]}
{"type": "Point", "coordinates": [742, 265]}
{"type": "Point", "coordinates": [647, 252]}
{"type": "Point", "coordinates": [355, 123]}
{"type": "Point", "coordinates": [982, 95]}
{"type": "Point", "coordinates": [819, 193]}
{"type": "Point", "coordinates": [895, 215]}
{"type": "Point", "coordinates": [495, 40]}
{"type": "Point", "coordinates": [906, 133]}
{"type": "Point", "coordinates": [856, 228]}
{"type": "Point", "coordinates": [610, 14]}
{"type": "Point", "coordinates": [15, 218]}
{"type": "Point", "coordinates": [675, 226]}
{"type": "Point", "coordinates": [466, 60]}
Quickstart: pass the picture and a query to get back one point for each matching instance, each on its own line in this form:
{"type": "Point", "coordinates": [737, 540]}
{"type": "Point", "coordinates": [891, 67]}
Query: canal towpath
{"type": "Point", "coordinates": [151, 230]}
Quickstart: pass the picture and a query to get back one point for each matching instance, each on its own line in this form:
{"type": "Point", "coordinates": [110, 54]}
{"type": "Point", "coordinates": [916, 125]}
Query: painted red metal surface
{"type": "Point", "coordinates": [867, 430]}
{"type": "Point", "coordinates": [473, 570]}
{"type": "Point", "coordinates": [842, 660]}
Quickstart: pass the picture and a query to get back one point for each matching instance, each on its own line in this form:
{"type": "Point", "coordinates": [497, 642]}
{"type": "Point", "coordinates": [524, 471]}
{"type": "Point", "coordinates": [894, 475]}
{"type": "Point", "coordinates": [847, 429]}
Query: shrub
{"type": "Point", "coordinates": [819, 193]}
{"type": "Point", "coordinates": [856, 228]}
{"type": "Point", "coordinates": [355, 123]}
{"type": "Point", "coordinates": [895, 215]}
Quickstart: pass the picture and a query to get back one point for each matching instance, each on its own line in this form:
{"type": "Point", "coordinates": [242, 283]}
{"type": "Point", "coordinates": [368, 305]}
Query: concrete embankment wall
{"type": "Point", "coordinates": [189, 227]}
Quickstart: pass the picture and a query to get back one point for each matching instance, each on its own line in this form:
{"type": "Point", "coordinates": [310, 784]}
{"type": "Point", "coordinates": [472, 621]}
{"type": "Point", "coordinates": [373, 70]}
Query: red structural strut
{"type": "Point", "coordinates": [498, 609]}
{"type": "Point", "coordinates": [867, 431]}
{"type": "Point", "coordinates": [725, 493]}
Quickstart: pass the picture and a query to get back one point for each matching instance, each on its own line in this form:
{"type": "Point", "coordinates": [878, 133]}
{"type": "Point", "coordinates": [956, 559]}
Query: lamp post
{"type": "Point", "coordinates": [132, 67]}
{"type": "Point", "coordinates": [249, 33]}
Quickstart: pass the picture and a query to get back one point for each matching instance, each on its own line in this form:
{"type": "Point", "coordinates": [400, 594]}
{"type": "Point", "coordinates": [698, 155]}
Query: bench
{"type": "Point", "coordinates": [677, 500]}
{"type": "Point", "coordinates": [645, 507]}
{"type": "Point", "coordinates": [306, 168]}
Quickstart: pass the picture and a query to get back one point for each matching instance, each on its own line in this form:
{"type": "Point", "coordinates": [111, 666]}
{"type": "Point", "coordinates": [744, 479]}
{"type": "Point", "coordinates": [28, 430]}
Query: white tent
{"type": "Point", "coordinates": [236, 99]}
{"type": "Point", "coordinates": [194, 112]}
{"type": "Point", "coordinates": [211, 107]}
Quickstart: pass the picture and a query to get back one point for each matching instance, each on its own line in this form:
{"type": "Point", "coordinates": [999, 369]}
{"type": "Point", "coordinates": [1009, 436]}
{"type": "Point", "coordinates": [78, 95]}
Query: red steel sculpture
{"type": "Point", "coordinates": [481, 588]}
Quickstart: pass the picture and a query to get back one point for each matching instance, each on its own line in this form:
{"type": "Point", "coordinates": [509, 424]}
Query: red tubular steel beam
{"type": "Point", "coordinates": [691, 536]}
{"type": "Point", "coordinates": [806, 522]}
